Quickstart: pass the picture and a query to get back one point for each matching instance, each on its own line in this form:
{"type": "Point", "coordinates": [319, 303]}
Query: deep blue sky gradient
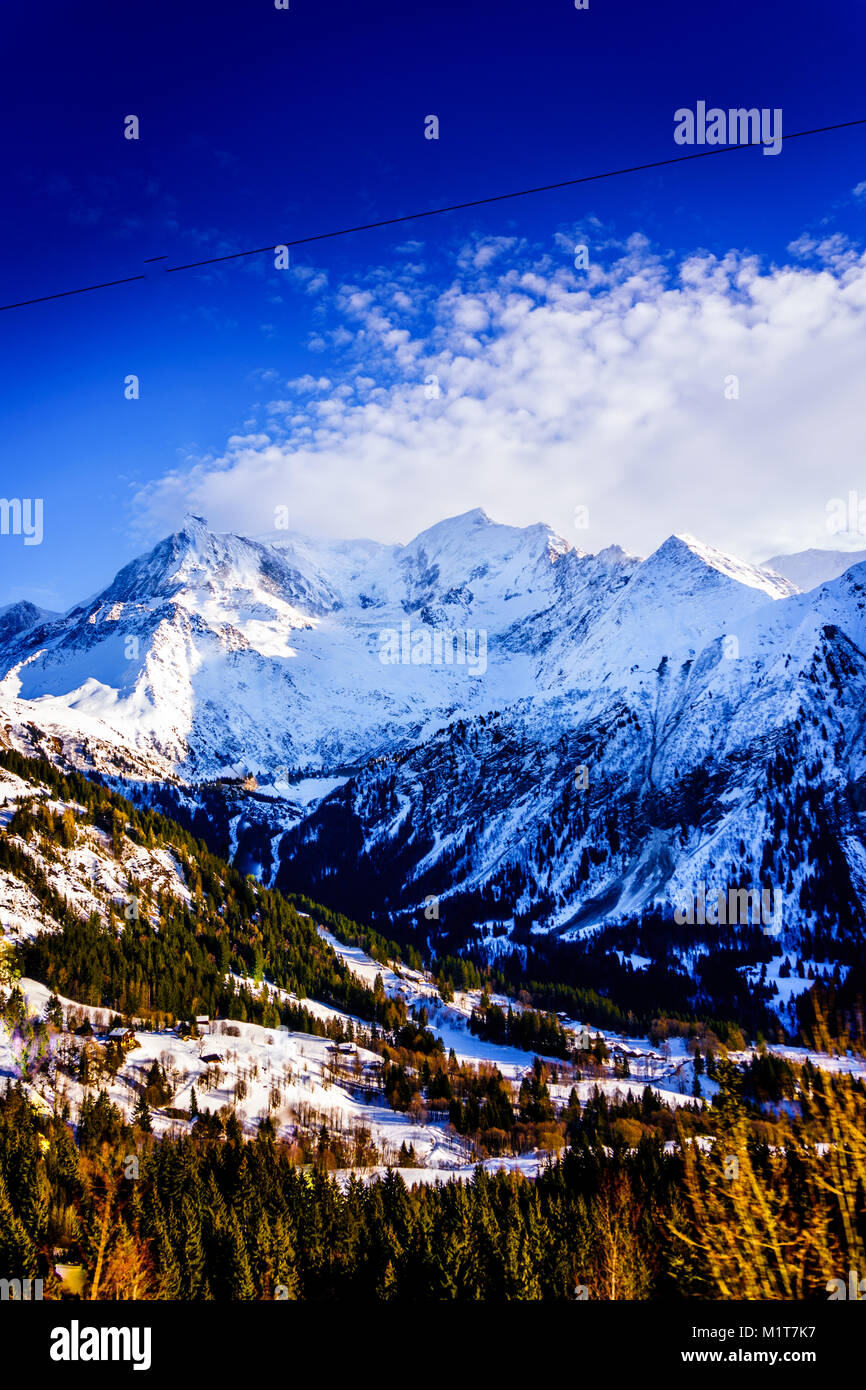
{"type": "Point", "coordinates": [259, 125]}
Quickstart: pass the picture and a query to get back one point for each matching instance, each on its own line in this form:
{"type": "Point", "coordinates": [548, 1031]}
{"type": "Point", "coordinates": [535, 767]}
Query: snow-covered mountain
{"type": "Point", "coordinates": [16, 618]}
{"type": "Point", "coordinates": [536, 737]}
{"type": "Point", "coordinates": [809, 568]}
{"type": "Point", "coordinates": [214, 652]}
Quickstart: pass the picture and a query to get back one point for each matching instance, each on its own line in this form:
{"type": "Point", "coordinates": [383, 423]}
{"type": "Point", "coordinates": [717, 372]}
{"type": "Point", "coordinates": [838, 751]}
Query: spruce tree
{"type": "Point", "coordinates": [141, 1115]}
{"type": "Point", "coordinates": [170, 1279]}
{"type": "Point", "coordinates": [283, 1258]}
{"type": "Point", "coordinates": [194, 1264]}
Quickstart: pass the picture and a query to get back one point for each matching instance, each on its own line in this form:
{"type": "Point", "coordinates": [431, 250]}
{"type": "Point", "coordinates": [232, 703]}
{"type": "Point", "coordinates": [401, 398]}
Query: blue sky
{"type": "Point", "coordinates": [557, 388]}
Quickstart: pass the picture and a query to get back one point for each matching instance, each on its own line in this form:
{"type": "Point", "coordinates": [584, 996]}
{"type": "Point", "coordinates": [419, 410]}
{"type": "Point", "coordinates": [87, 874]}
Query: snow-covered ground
{"type": "Point", "coordinates": [450, 1022]}
{"type": "Point", "coordinates": [787, 990]}
{"type": "Point", "coordinates": [284, 1073]}
{"type": "Point", "coordinates": [667, 1067]}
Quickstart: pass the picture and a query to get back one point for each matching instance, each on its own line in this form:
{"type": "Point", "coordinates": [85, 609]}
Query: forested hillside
{"type": "Point", "coordinates": [763, 1214]}
{"type": "Point", "coordinates": [155, 955]}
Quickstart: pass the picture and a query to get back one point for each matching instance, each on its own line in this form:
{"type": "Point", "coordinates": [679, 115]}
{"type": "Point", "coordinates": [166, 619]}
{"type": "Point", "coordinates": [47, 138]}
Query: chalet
{"type": "Point", "coordinates": [202, 1023]}
{"type": "Point", "coordinates": [212, 1057]}
{"type": "Point", "coordinates": [125, 1036]}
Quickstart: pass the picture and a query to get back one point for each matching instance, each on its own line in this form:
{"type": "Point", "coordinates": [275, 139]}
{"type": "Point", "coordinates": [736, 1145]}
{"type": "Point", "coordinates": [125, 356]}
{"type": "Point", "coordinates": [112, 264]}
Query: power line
{"type": "Point", "coordinates": [432, 212]}
{"type": "Point", "coordinates": [85, 289]}
{"type": "Point", "coordinates": [500, 197]}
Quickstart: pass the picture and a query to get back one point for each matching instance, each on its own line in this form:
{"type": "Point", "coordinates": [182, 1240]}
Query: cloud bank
{"type": "Point", "coordinates": [718, 396]}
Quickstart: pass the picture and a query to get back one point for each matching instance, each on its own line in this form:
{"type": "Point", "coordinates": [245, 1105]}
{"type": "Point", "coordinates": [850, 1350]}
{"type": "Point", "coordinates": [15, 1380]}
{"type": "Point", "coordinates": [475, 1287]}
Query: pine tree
{"type": "Point", "coordinates": [141, 1114]}
{"type": "Point", "coordinates": [194, 1264]}
{"type": "Point", "coordinates": [283, 1259]}
{"type": "Point", "coordinates": [17, 1251]}
{"type": "Point", "coordinates": [386, 1288]}
{"type": "Point", "coordinates": [531, 1252]}
{"type": "Point", "coordinates": [54, 1012]}
{"type": "Point", "coordinates": [262, 1264]}
{"type": "Point", "coordinates": [240, 1279]}
{"type": "Point", "coordinates": [169, 1273]}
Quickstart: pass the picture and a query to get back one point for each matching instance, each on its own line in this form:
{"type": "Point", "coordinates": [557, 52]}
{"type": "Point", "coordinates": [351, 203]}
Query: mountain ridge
{"type": "Point", "coordinates": [218, 655]}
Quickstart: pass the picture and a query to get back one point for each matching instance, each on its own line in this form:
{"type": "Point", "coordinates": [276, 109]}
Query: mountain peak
{"type": "Point", "coordinates": [614, 555]}
{"type": "Point", "coordinates": [455, 527]}
{"type": "Point", "coordinates": [195, 527]}
{"type": "Point", "coordinates": [683, 548]}
{"type": "Point", "coordinates": [18, 617]}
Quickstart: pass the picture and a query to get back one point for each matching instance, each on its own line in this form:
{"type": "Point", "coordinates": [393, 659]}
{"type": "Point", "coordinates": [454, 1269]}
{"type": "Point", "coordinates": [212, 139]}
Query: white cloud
{"type": "Point", "coordinates": [306, 385]}
{"type": "Point", "coordinates": [559, 388]}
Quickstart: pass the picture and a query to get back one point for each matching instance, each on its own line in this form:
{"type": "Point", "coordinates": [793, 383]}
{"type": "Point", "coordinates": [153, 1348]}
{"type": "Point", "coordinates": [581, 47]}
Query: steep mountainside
{"type": "Point", "coordinates": [541, 740]}
{"type": "Point", "coordinates": [684, 765]}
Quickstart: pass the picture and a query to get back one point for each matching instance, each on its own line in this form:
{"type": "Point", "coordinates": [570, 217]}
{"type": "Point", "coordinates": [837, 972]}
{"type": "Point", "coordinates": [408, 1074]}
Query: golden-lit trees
{"type": "Point", "coordinates": [127, 1272]}
{"type": "Point", "coordinates": [619, 1264]}
{"type": "Point", "coordinates": [778, 1220]}
{"type": "Point", "coordinates": [739, 1221]}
